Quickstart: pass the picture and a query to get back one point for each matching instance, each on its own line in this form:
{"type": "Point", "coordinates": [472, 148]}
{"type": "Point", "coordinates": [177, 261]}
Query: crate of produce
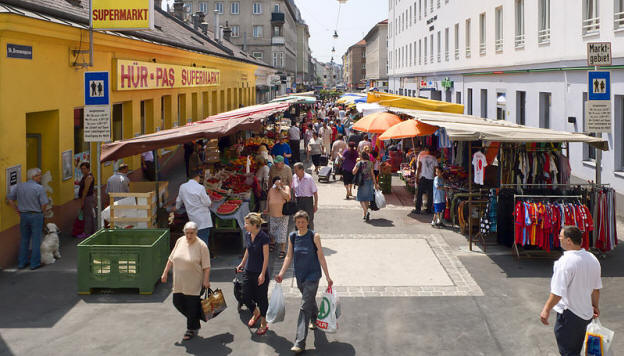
{"type": "Point", "coordinates": [122, 259]}
{"type": "Point", "coordinates": [385, 183]}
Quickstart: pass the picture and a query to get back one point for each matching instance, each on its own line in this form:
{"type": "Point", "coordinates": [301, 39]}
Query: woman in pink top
{"type": "Point", "coordinates": [277, 196]}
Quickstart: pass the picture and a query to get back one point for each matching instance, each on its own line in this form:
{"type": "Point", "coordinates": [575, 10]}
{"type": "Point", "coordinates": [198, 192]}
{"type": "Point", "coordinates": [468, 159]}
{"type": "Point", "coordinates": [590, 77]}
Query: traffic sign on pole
{"type": "Point", "coordinates": [599, 85]}
{"type": "Point", "coordinates": [599, 54]}
{"type": "Point", "coordinates": [96, 88]}
{"type": "Point", "coordinates": [598, 106]}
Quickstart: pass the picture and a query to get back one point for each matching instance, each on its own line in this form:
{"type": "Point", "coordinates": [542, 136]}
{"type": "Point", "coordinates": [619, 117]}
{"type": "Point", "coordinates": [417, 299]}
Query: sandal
{"type": "Point", "coordinates": [271, 246]}
{"type": "Point", "coordinates": [189, 334]}
{"type": "Point", "coordinates": [253, 320]}
{"type": "Point", "coordinates": [282, 254]}
{"type": "Point", "coordinates": [262, 330]}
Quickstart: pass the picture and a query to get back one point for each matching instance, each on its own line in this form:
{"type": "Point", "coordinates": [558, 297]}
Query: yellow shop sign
{"type": "Point", "coordinates": [135, 75]}
{"type": "Point", "coordinates": [122, 14]}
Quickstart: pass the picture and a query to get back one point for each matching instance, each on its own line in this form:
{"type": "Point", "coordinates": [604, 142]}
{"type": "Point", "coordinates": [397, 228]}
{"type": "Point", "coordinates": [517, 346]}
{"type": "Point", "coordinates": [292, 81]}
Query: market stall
{"type": "Point", "coordinates": [526, 166]}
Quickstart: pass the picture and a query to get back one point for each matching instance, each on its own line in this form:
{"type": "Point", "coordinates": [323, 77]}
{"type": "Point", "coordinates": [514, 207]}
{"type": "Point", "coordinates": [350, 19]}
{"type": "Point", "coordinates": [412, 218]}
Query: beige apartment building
{"type": "Point", "coordinates": [354, 61]}
{"type": "Point", "coordinates": [377, 56]}
{"type": "Point", "coordinates": [268, 30]}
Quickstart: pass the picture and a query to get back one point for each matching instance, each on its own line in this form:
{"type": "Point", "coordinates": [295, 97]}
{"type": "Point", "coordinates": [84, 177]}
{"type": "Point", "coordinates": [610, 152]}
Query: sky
{"type": "Point", "coordinates": [356, 18]}
{"type": "Point", "coordinates": [353, 21]}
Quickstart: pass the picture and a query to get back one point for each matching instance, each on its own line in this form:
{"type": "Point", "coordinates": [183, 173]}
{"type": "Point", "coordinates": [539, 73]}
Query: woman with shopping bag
{"type": "Point", "coordinates": [255, 265]}
{"type": "Point", "coordinates": [190, 260]}
{"type": "Point", "coordinates": [304, 246]}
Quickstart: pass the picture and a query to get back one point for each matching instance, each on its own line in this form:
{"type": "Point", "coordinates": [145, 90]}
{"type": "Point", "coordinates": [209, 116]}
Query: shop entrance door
{"type": "Point", "coordinates": [33, 151]}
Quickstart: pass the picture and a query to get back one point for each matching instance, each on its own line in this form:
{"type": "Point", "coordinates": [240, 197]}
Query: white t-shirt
{"type": "Point", "coordinates": [479, 162]}
{"type": "Point", "coordinates": [576, 275]}
{"type": "Point", "coordinates": [427, 163]}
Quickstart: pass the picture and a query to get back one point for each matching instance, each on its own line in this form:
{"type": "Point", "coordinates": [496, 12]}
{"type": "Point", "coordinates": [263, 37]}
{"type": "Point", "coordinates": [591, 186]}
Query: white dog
{"type": "Point", "coordinates": [50, 244]}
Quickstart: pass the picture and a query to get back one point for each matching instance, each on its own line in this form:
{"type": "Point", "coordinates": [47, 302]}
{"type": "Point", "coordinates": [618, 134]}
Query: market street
{"type": "Point", "coordinates": [460, 303]}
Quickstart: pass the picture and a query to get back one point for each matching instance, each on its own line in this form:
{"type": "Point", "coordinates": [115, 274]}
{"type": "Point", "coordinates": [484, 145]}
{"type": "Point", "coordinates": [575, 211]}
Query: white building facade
{"type": "Point", "coordinates": [517, 60]}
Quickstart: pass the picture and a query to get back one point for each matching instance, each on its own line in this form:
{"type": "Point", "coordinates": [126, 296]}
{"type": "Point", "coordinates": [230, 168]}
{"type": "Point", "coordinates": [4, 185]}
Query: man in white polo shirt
{"type": "Point", "coordinates": [574, 292]}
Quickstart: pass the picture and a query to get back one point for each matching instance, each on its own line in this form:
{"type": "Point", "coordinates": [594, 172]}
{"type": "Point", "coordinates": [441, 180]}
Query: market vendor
{"type": "Point", "coordinates": [193, 196]}
{"type": "Point", "coordinates": [282, 148]}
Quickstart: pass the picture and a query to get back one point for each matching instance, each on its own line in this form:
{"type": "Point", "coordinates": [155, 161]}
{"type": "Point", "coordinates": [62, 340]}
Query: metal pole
{"type": "Point", "coordinates": [99, 188]}
{"type": "Point", "coordinates": [90, 36]}
{"type": "Point", "coordinates": [599, 155]}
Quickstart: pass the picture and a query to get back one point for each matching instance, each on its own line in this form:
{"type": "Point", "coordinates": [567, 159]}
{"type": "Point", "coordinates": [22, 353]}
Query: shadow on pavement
{"type": "Point", "coordinates": [214, 346]}
{"type": "Point", "coordinates": [381, 222]}
{"type": "Point", "coordinates": [324, 347]}
{"type": "Point", "coordinates": [328, 251]}
{"type": "Point", "coordinates": [4, 348]}
{"type": "Point", "coordinates": [280, 344]}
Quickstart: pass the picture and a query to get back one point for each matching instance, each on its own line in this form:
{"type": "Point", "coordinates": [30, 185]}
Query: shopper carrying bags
{"type": "Point", "coordinates": [255, 265]}
{"type": "Point", "coordinates": [304, 246]}
{"type": "Point", "coordinates": [190, 260]}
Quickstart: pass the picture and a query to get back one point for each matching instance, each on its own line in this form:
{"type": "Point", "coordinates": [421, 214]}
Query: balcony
{"type": "Point", "coordinates": [543, 36]}
{"type": "Point", "coordinates": [591, 26]}
{"type": "Point", "coordinates": [520, 39]}
{"type": "Point", "coordinates": [482, 50]}
{"type": "Point", "coordinates": [468, 52]}
{"type": "Point", "coordinates": [457, 53]}
{"type": "Point", "coordinates": [499, 45]}
{"type": "Point", "coordinates": [277, 18]}
{"type": "Point", "coordinates": [618, 20]}
{"type": "Point", "coordinates": [278, 40]}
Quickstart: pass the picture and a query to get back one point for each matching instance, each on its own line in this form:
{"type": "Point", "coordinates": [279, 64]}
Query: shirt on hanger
{"type": "Point", "coordinates": [479, 162]}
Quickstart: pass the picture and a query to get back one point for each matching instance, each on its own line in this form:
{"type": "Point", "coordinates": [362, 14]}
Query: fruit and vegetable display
{"type": "Point", "coordinates": [229, 207]}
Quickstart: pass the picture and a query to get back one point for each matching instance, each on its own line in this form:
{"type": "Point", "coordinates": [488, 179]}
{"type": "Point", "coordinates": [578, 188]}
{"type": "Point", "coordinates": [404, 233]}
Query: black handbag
{"type": "Point", "coordinates": [358, 179]}
{"type": "Point", "coordinates": [289, 208]}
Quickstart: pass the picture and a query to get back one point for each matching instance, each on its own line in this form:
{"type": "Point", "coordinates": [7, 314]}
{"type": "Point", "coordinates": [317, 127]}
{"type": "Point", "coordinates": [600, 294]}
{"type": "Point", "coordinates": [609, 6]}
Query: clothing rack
{"type": "Point", "coordinates": [516, 196]}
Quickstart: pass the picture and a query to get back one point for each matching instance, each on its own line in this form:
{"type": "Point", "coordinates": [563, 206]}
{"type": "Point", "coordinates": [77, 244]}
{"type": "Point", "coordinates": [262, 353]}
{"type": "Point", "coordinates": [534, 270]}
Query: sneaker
{"type": "Point", "coordinates": [433, 223]}
{"type": "Point", "coordinates": [296, 349]}
{"type": "Point", "coordinates": [312, 326]}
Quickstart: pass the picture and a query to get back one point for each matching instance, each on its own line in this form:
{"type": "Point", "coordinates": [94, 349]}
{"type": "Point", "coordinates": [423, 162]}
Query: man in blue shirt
{"type": "Point", "coordinates": [282, 148]}
{"type": "Point", "coordinates": [29, 199]}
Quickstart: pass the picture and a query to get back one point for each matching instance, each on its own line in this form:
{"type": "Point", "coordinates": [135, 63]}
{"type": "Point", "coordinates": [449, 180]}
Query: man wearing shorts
{"type": "Point", "coordinates": [439, 197]}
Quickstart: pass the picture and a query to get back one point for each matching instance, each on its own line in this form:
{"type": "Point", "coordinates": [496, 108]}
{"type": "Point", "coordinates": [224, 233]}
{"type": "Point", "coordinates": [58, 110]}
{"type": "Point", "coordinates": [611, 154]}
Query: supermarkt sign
{"type": "Point", "coordinates": [136, 75]}
{"type": "Point", "coordinates": [122, 14]}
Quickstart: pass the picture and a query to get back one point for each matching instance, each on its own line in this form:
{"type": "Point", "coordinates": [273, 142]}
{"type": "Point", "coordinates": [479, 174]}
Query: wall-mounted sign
{"type": "Point", "coordinates": [135, 75]}
{"type": "Point", "coordinates": [119, 15]}
{"type": "Point", "coordinates": [19, 51]}
{"type": "Point", "coordinates": [599, 53]}
{"type": "Point", "coordinates": [13, 176]}
{"type": "Point", "coordinates": [97, 125]}
{"type": "Point", "coordinates": [447, 83]}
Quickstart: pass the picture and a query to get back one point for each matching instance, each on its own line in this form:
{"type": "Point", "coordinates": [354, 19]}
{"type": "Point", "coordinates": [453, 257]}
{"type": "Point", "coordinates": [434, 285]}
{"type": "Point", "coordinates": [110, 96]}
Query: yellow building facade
{"type": "Point", "coordinates": [42, 99]}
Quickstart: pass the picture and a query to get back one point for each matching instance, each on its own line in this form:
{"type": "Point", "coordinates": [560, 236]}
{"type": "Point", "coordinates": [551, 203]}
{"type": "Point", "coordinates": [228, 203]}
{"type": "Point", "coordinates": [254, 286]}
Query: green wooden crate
{"type": "Point", "coordinates": [131, 258]}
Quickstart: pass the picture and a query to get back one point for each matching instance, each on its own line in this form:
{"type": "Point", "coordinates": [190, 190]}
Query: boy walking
{"type": "Point", "coordinates": [439, 197]}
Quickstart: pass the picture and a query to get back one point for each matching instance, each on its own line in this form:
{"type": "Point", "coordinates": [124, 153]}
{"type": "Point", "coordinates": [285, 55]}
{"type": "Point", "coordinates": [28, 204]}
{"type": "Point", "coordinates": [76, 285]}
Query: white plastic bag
{"type": "Point", "coordinates": [277, 306]}
{"type": "Point", "coordinates": [597, 339]}
{"type": "Point", "coordinates": [326, 319]}
{"type": "Point", "coordinates": [380, 200]}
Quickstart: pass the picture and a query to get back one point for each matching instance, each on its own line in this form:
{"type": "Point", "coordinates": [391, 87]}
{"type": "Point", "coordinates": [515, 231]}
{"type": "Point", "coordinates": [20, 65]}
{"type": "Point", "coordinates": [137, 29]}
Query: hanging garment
{"type": "Point", "coordinates": [479, 162]}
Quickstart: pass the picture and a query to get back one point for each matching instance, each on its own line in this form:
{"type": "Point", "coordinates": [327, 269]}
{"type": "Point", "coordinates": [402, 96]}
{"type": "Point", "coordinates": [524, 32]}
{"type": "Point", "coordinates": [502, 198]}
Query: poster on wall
{"type": "Point", "coordinates": [66, 158]}
{"type": "Point", "coordinates": [13, 176]}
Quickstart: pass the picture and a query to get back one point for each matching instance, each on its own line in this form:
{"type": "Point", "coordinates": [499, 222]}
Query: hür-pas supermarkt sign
{"type": "Point", "coordinates": [136, 75]}
{"type": "Point", "coordinates": [119, 15]}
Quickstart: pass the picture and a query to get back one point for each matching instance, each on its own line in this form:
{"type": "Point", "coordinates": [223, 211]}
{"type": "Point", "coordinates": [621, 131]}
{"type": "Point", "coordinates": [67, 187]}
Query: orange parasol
{"type": "Point", "coordinates": [378, 122]}
{"type": "Point", "coordinates": [408, 128]}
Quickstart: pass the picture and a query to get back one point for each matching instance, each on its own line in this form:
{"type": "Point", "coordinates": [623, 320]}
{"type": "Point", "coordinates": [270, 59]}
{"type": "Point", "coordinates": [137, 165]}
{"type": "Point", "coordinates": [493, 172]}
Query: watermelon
{"type": "Point", "coordinates": [235, 201]}
{"type": "Point", "coordinates": [226, 209]}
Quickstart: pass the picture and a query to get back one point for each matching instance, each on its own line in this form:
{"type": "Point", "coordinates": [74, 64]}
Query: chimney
{"type": "Point", "coordinates": [227, 32]}
{"type": "Point", "coordinates": [178, 10]}
{"type": "Point", "coordinates": [195, 19]}
{"type": "Point", "coordinates": [201, 16]}
{"type": "Point", "coordinates": [158, 4]}
{"type": "Point", "coordinates": [217, 30]}
{"type": "Point", "coordinates": [204, 28]}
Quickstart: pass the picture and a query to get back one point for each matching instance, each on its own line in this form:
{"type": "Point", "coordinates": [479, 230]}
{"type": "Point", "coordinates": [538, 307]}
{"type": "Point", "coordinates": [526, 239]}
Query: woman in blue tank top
{"type": "Point", "coordinates": [305, 247]}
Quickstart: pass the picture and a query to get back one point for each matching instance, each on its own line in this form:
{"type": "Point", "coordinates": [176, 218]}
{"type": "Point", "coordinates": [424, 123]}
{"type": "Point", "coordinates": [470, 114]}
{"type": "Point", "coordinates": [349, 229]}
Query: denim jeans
{"type": "Point", "coordinates": [308, 310]}
{"type": "Point", "coordinates": [204, 235]}
{"type": "Point", "coordinates": [31, 225]}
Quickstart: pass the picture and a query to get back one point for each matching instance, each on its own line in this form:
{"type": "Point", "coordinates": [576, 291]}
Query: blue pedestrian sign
{"type": "Point", "coordinates": [599, 85]}
{"type": "Point", "coordinates": [96, 88]}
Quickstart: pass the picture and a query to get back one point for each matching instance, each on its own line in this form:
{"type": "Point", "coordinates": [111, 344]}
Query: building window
{"type": "Point", "coordinates": [543, 31]}
{"type": "Point", "coordinates": [425, 47]}
{"type": "Point", "coordinates": [591, 17]}
{"type": "Point", "coordinates": [519, 10]}
{"type": "Point", "coordinates": [439, 46]}
{"type": "Point", "coordinates": [410, 17]}
{"type": "Point", "coordinates": [446, 44]}
{"type": "Point", "coordinates": [188, 7]}
{"type": "Point", "coordinates": [258, 31]}
{"type": "Point", "coordinates": [618, 112]}
{"type": "Point", "coordinates": [425, 8]}
{"type": "Point", "coordinates": [278, 59]}
{"type": "Point", "coordinates": [415, 9]}
{"type": "Point", "coordinates": [458, 97]}
{"type": "Point", "coordinates": [410, 54]}
{"type": "Point", "coordinates": [618, 16]}
{"type": "Point", "coordinates": [431, 48]}
{"type": "Point", "coordinates": [276, 7]}
{"type": "Point", "coordinates": [235, 8]}
{"type": "Point", "coordinates": [544, 110]}
{"type": "Point", "coordinates": [203, 6]}
{"type": "Point", "coordinates": [277, 31]}
{"type": "Point", "coordinates": [420, 9]}
{"type": "Point", "coordinates": [482, 34]}
{"type": "Point", "coordinates": [456, 41]}
{"type": "Point", "coordinates": [499, 29]}
{"type": "Point", "coordinates": [468, 38]}
{"type": "Point", "coordinates": [258, 55]}
{"type": "Point", "coordinates": [235, 31]}
{"type": "Point", "coordinates": [419, 52]}
{"type": "Point", "coordinates": [117, 128]}
{"type": "Point", "coordinates": [501, 106]}
{"type": "Point", "coordinates": [469, 102]}
{"type": "Point", "coordinates": [521, 107]}
{"type": "Point", "coordinates": [431, 8]}
{"type": "Point", "coordinates": [219, 7]}
{"type": "Point", "coordinates": [484, 105]}
{"type": "Point", "coordinates": [439, 4]}
{"type": "Point", "coordinates": [257, 8]}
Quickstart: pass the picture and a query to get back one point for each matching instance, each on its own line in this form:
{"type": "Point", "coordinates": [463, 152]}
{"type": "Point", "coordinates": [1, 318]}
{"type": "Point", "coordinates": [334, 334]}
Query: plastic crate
{"type": "Point", "coordinates": [385, 183]}
{"type": "Point", "coordinates": [122, 259]}
{"type": "Point", "coordinates": [228, 224]}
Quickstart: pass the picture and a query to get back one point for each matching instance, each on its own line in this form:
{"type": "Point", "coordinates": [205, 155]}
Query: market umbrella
{"type": "Point", "coordinates": [378, 122]}
{"type": "Point", "coordinates": [408, 128]}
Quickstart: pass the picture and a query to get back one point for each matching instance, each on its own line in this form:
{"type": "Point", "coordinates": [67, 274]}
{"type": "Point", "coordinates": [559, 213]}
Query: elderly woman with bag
{"type": "Point", "coordinates": [277, 196]}
{"type": "Point", "coordinates": [304, 246]}
{"type": "Point", "coordinates": [190, 260]}
{"type": "Point", "coordinates": [365, 193]}
{"type": "Point", "coordinates": [255, 265]}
